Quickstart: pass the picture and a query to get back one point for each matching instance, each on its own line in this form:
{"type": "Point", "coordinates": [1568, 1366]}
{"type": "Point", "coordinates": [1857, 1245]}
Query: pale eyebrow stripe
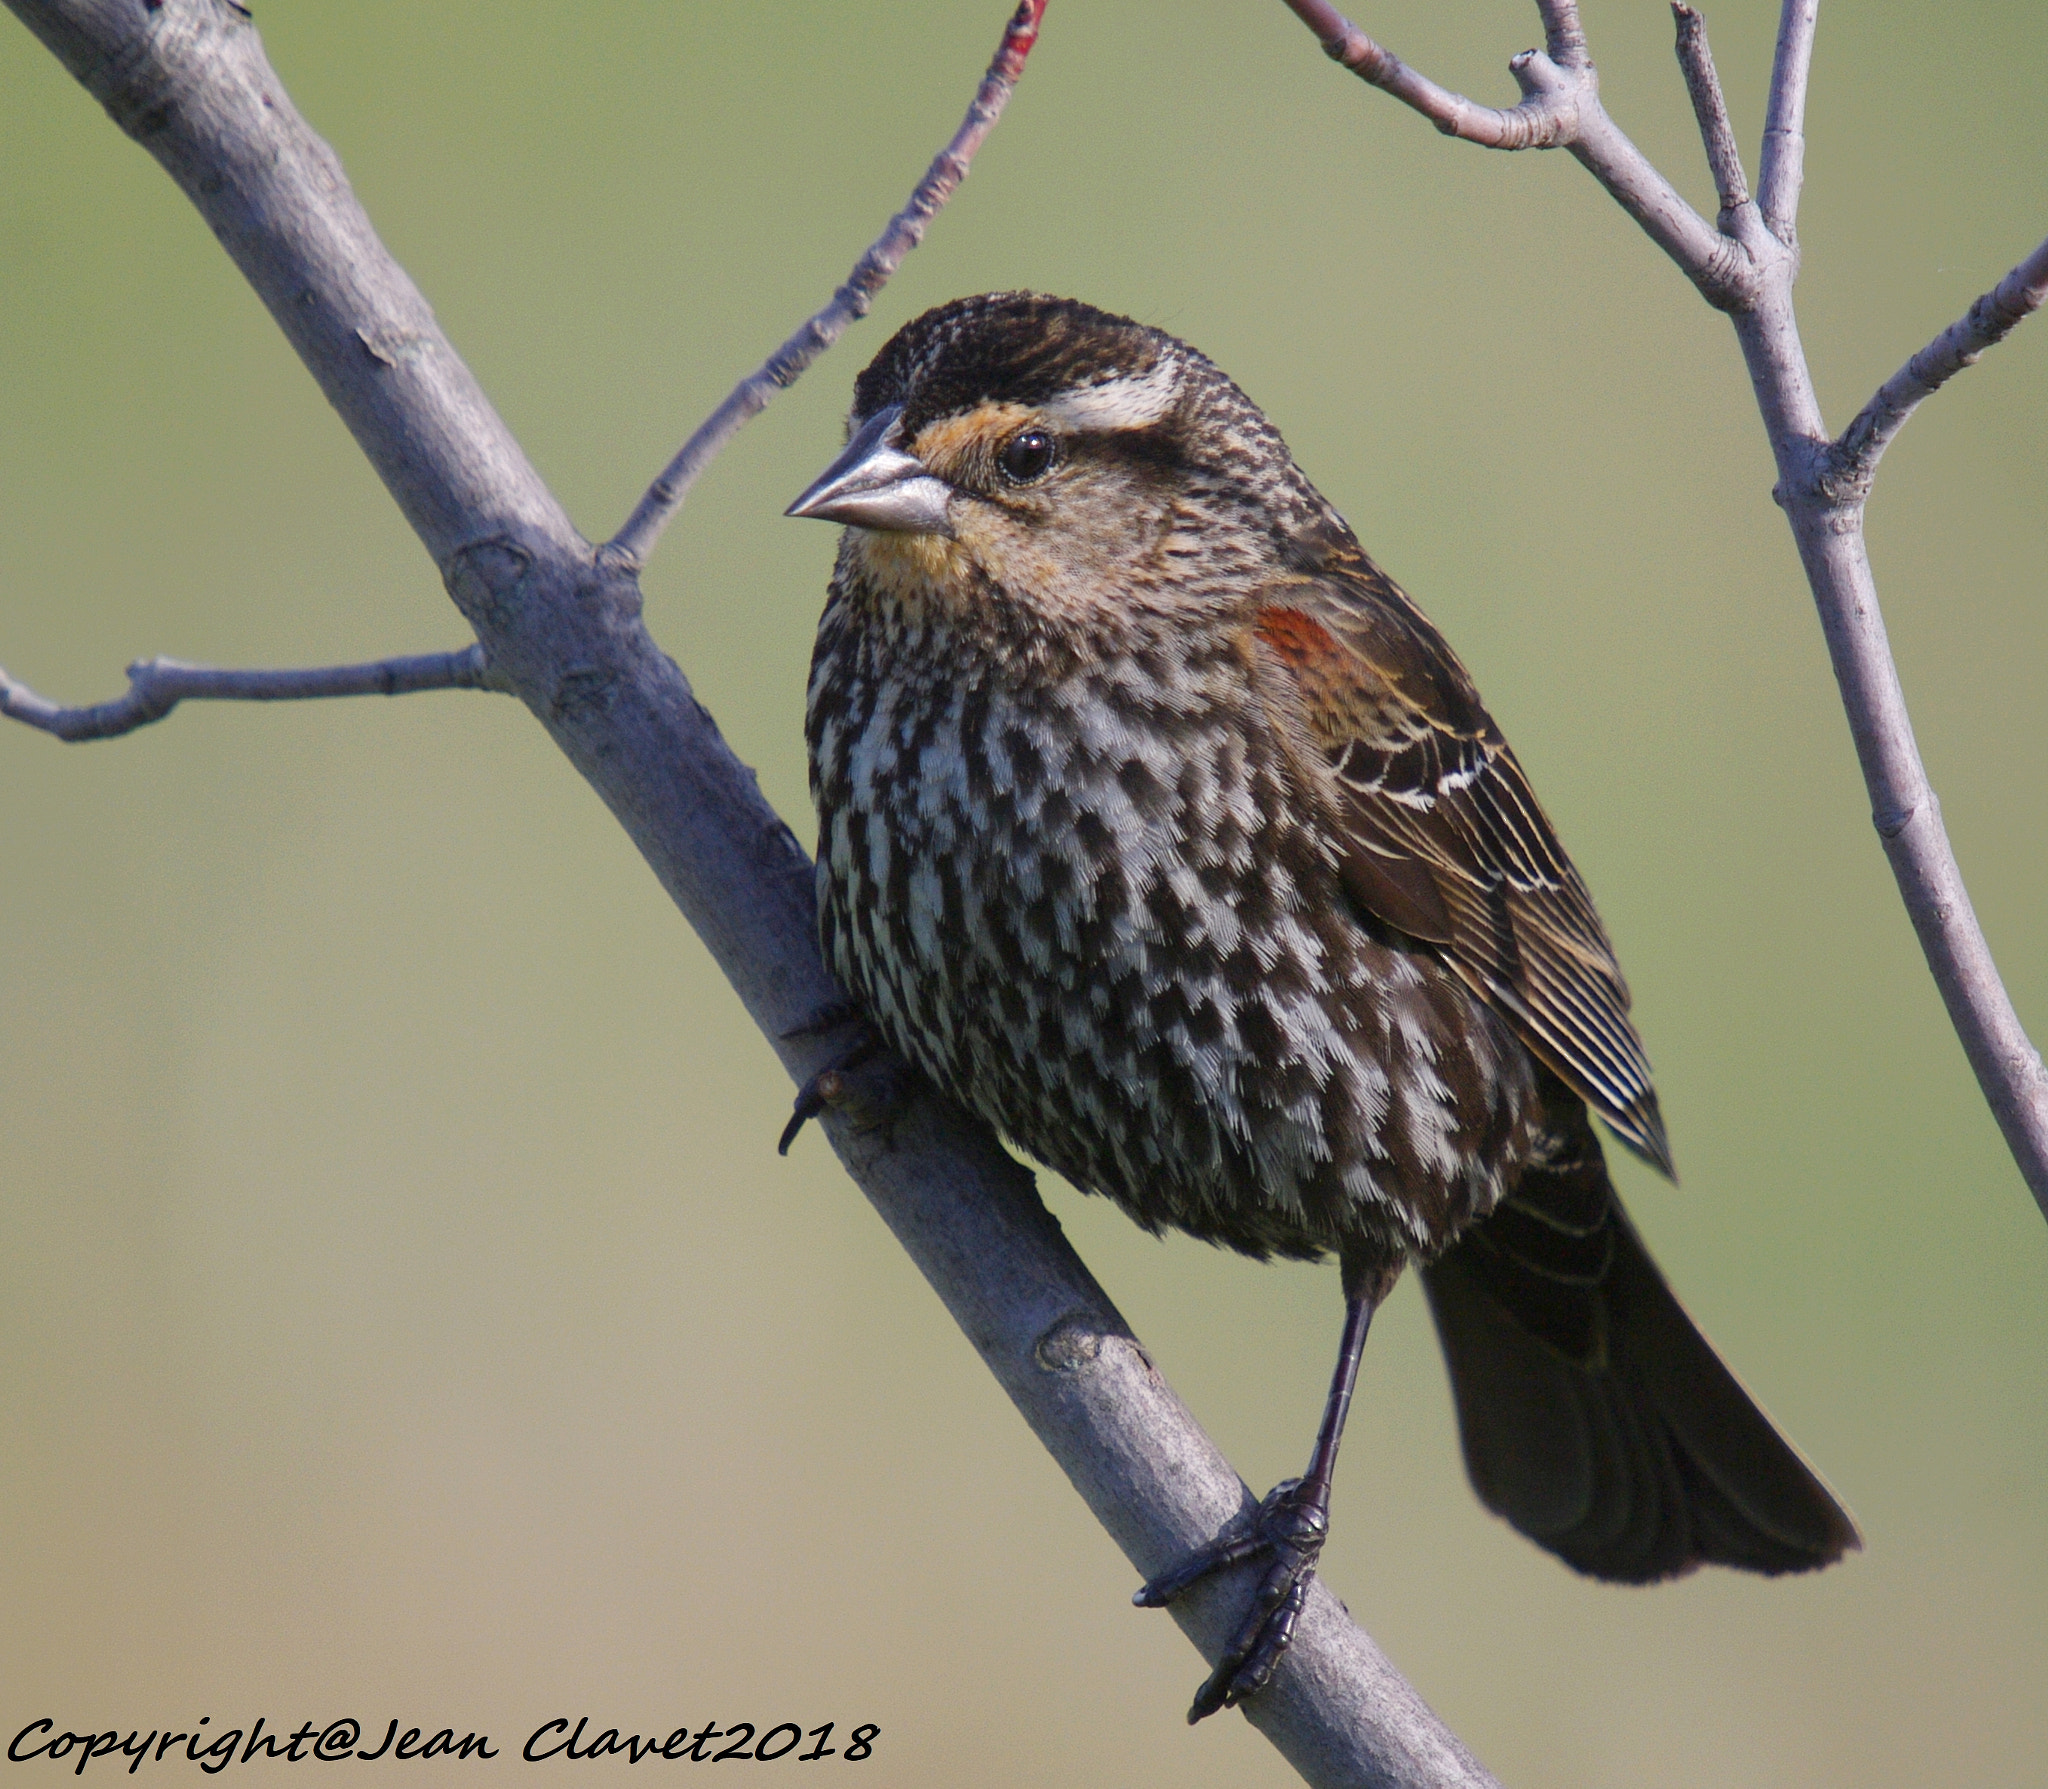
{"type": "Point", "coordinates": [1134, 402]}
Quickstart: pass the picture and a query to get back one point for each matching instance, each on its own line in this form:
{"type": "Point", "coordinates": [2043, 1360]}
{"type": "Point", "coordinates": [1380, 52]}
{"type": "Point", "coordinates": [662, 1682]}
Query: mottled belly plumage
{"type": "Point", "coordinates": [1124, 946]}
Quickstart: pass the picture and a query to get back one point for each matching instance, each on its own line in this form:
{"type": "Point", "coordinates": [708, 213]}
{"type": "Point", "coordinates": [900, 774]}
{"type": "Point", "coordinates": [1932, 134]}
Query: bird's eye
{"type": "Point", "coordinates": [1028, 456]}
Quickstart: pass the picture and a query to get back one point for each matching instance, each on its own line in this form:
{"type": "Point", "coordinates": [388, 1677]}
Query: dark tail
{"type": "Point", "coordinates": [1596, 1418]}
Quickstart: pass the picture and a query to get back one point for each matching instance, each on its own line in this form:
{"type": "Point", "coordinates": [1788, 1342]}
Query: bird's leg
{"type": "Point", "coordinates": [1290, 1525]}
{"type": "Point", "coordinates": [865, 1080]}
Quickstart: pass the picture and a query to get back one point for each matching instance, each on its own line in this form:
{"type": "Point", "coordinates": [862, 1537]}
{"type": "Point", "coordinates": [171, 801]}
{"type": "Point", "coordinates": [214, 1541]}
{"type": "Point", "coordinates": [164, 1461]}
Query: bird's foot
{"type": "Point", "coordinates": [866, 1081]}
{"type": "Point", "coordinates": [1290, 1525]}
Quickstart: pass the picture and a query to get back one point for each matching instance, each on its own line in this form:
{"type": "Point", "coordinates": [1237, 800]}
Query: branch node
{"type": "Point", "coordinates": [1071, 1345]}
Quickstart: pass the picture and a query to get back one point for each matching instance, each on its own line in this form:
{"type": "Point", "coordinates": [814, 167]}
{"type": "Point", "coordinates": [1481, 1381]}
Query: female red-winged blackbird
{"type": "Point", "coordinates": [1158, 826]}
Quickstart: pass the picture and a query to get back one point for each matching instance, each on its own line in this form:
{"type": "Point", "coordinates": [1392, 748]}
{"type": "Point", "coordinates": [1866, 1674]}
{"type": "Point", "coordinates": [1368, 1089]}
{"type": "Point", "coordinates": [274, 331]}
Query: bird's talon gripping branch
{"type": "Point", "coordinates": [865, 1081]}
{"type": "Point", "coordinates": [1291, 1524]}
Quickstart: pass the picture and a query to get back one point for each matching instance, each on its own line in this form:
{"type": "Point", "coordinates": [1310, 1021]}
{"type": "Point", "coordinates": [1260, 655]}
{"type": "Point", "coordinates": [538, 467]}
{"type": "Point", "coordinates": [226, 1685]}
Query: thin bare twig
{"type": "Point", "coordinates": [1784, 164]}
{"type": "Point", "coordinates": [1988, 322]}
{"type": "Point", "coordinates": [1710, 108]}
{"type": "Point", "coordinates": [1747, 267]}
{"type": "Point", "coordinates": [158, 685]}
{"type": "Point", "coordinates": [1560, 109]}
{"type": "Point", "coordinates": [1543, 120]}
{"type": "Point", "coordinates": [631, 545]}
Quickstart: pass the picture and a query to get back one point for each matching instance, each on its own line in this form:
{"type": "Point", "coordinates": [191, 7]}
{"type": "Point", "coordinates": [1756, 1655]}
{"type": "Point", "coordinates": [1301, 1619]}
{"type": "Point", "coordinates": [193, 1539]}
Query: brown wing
{"type": "Point", "coordinates": [1447, 841]}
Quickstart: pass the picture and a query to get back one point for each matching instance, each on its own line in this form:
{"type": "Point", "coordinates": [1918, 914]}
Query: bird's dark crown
{"type": "Point", "coordinates": [1007, 347]}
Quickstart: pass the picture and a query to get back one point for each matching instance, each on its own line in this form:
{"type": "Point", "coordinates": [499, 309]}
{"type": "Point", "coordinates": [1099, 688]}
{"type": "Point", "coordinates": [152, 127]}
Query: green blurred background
{"type": "Point", "coordinates": [402, 1308]}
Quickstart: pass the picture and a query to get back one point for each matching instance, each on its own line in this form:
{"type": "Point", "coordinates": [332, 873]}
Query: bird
{"type": "Point", "coordinates": [1159, 827]}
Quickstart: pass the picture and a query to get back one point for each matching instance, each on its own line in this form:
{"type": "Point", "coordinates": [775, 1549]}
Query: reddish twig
{"type": "Point", "coordinates": [629, 548]}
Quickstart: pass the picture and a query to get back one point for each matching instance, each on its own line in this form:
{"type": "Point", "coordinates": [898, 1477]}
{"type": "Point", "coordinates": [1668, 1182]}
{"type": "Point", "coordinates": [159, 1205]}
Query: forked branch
{"type": "Point", "coordinates": [1745, 264]}
{"type": "Point", "coordinates": [158, 685]}
{"type": "Point", "coordinates": [1560, 109]}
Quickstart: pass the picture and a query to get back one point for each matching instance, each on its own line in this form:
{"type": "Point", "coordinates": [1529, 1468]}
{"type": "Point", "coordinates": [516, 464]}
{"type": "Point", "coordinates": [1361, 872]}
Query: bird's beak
{"type": "Point", "coordinates": [875, 484]}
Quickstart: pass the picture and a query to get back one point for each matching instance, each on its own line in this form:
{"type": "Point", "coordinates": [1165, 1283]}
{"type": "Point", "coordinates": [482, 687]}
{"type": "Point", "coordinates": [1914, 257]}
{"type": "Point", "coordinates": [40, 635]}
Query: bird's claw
{"type": "Point", "coordinates": [866, 1081]}
{"type": "Point", "coordinates": [810, 1101]}
{"type": "Point", "coordinates": [1291, 1524]}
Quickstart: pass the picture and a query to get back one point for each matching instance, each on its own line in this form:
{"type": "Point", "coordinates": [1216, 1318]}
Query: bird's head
{"type": "Point", "coordinates": [1037, 451]}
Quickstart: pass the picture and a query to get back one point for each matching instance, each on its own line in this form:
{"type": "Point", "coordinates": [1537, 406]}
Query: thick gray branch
{"type": "Point", "coordinates": [1748, 269]}
{"type": "Point", "coordinates": [158, 685]}
{"type": "Point", "coordinates": [631, 545]}
{"type": "Point", "coordinates": [560, 626]}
